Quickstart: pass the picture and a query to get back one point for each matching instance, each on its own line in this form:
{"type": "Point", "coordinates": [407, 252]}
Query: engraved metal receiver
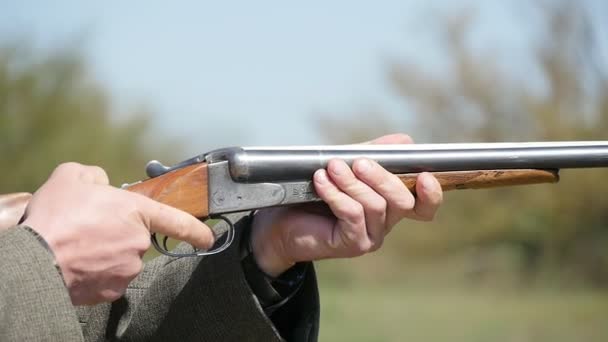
{"type": "Point", "coordinates": [240, 179]}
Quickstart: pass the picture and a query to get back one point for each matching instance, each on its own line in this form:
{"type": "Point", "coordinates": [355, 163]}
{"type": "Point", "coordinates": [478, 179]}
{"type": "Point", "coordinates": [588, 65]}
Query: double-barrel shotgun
{"type": "Point", "coordinates": [240, 179]}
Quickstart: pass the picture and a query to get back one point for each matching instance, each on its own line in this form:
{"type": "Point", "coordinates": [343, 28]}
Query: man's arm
{"type": "Point", "coordinates": [34, 303]}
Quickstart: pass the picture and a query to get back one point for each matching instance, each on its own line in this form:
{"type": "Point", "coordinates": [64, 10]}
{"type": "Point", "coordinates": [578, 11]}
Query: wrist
{"type": "Point", "coordinates": [38, 237]}
{"type": "Point", "coordinates": [44, 245]}
{"type": "Point", "coordinates": [266, 246]}
{"type": "Point", "coordinates": [37, 227]}
{"type": "Point", "coordinates": [271, 292]}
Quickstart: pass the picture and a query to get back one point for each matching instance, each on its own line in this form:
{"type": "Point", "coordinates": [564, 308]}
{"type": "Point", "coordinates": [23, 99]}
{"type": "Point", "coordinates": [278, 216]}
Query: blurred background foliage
{"type": "Point", "coordinates": [53, 111]}
{"type": "Point", "coordinates": [516, 264]}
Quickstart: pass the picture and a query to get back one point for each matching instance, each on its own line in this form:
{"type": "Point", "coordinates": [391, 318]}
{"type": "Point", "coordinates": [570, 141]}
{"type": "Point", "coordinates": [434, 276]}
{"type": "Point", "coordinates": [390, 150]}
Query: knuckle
{"type": "Point", "coordinates": [405, 203]}
{"type": "Point", "coordinates": [354, 213]}
{"type": "Point", "coordinates": [386, 182]}
{"type": "Point", "coordinates": [130, 272]}
{"type": "Point", "coordinates": [354, 237]}
{"type": "Point", "coordinates": [376, 207]}
{"type": "Point", "coordinates": [360, 166]}
{"type": "Point", "coordinates": [181, 233]}
{"type": "Point", "coordinates": [132, 210]}
{"type": "Point", "coordinates": [143, 243]}
{"type": "Point", "coordinates": [332, 196]}
{"type": "Point", "coordinates": [68, 167]}
{"type": "Point", "coordinates": [376, 244]}
{"type": "Point", "coordinates": [359, 244]}
{"type": "Point", "coordinates": [351, 186]}
{"type": "Point", "coordinates": [378, 177]}
{"type": "Point", "coordinates": [363, 246]}
{"type": "Point", "coordinates": [98, 171]}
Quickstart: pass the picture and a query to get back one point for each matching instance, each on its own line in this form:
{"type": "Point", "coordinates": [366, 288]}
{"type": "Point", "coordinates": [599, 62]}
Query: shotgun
{"type": "Point", "coordinates": [239, 179]}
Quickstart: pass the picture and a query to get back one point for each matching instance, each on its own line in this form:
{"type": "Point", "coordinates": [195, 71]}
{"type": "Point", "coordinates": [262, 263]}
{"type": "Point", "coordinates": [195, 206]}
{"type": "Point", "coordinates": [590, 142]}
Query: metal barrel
{"type": "Point", "coordinates": [271, 164]}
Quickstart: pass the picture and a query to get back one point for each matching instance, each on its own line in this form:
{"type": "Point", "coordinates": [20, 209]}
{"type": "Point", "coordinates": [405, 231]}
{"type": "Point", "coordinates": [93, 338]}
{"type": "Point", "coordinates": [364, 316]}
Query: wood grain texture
{"type": "Point", "coordinates": [185, 189]}
{"type": "Point", "coordinates": [483, 179]}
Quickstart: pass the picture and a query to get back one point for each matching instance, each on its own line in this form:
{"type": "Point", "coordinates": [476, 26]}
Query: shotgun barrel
{"type": "Point", "coordinates": [271, 164]}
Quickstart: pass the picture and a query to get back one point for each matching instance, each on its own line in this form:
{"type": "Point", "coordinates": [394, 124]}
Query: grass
{"type": "Point", "coordinates": [391, 313]}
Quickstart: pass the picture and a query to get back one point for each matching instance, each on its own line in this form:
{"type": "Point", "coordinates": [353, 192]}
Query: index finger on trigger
{"type": "Point", "coordinates": [175, 223]}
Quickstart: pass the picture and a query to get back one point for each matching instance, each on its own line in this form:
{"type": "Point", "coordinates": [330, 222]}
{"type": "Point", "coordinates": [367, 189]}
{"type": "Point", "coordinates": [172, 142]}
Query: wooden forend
{"type": "Point", "coordinates": [482, 179]}
{"type": "Point", "coordinates": [185, 189]}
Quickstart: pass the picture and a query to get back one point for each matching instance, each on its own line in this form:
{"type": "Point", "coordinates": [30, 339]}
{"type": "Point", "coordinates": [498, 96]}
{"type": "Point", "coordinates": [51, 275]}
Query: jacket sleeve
{"type": "Point", "coordinates": [34, 303]}
{"type": "Point", "coordinates": [201, 299]}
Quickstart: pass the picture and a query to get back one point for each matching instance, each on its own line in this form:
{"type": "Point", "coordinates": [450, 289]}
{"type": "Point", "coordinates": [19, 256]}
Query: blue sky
{"type": "Point", "coordinates": [251, 73]}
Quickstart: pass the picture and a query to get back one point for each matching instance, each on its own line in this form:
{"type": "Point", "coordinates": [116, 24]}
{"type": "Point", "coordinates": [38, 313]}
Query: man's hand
{"type": "Point", "coordinates": [365, 202]}
{"type": "Point", "coordinates": [99, 233]}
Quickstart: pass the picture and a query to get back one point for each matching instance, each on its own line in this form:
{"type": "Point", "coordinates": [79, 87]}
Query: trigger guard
{"type": "Point", "coordinates": [229, 239]}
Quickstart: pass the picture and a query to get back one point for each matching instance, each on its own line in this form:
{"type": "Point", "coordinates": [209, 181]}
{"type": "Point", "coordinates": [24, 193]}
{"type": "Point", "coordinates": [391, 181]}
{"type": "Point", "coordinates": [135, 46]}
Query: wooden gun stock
{"type": "Point", "coordinates": [185, 189]}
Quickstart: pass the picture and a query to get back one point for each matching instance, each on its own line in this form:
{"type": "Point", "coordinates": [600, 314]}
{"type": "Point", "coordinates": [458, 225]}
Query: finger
{"type": "Point", "coordinates": [399, 200]}
{"type": "Point", "coordinates": [85, 173]}
{"type": "Point", "coordinates": [429, 195]}
{"type": "Point", "coordinates": [93, 175]}
{"type": "Point", "coordinates": [374, 206]}
{"type": "Point", "coordinates": [174, 223]}
{"type": "Point", "coordinates": [398, 138]}
{"type": "Point", "coordinates": [352, 234]}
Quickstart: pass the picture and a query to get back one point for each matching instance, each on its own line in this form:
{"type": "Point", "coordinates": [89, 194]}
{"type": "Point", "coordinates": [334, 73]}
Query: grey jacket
{"type": "Point", "coordinates": [187, 299]}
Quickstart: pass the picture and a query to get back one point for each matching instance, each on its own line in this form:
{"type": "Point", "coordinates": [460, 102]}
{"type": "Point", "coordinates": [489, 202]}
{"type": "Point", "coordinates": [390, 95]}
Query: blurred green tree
{"type": "Point", "coordinates": [561, 227]}
{"type": "Point", "coordinates": [52, 110]}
